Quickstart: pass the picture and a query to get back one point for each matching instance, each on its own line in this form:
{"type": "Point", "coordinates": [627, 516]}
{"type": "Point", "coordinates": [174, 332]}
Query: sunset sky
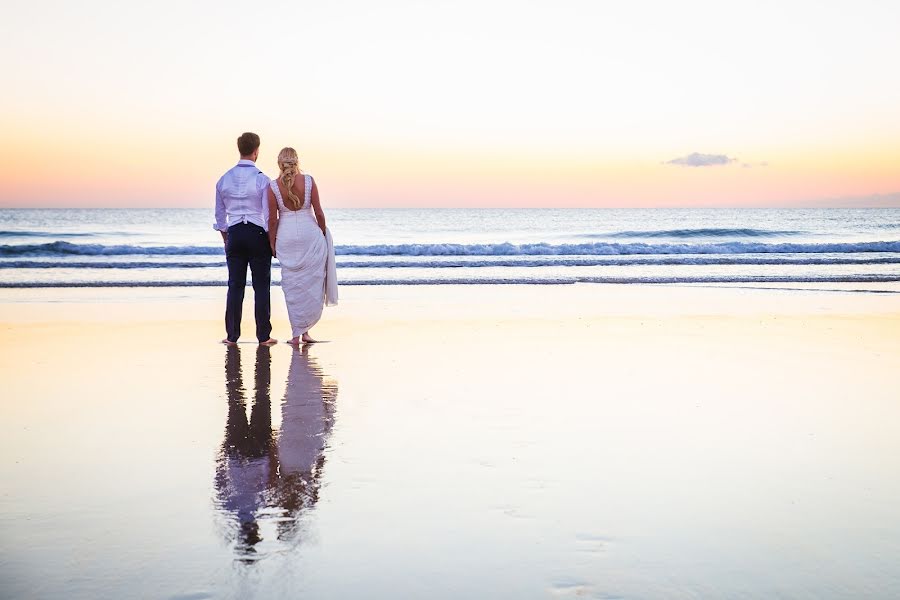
{"type": "Point", "coordinates": [489, 103]}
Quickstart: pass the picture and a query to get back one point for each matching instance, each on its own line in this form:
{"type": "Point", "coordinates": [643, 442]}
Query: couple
{"type": "Point", "coordinates": [261, 218]}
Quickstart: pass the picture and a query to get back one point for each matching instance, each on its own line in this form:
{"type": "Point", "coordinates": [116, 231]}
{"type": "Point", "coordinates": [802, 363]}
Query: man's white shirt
{"type": "Point", "coordinates": [242, 197]}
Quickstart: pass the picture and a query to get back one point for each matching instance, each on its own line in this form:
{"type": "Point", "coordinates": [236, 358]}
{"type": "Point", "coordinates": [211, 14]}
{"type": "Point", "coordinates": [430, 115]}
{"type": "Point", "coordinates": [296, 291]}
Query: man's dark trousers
{"type": "Point", "coordinates": [248, 244]}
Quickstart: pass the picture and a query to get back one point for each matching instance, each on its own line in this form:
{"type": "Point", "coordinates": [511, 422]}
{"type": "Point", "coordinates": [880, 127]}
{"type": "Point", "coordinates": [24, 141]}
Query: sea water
{"type": "Point", "coordinates": [178, 247]}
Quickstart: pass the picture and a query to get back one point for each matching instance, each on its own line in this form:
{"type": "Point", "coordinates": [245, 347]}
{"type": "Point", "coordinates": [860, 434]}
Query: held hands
{"type": "Point", "coordinates": [272, 238]}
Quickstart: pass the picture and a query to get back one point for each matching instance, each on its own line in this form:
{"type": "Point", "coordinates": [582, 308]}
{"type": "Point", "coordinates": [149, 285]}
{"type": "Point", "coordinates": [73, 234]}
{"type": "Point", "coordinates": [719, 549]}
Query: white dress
{"type": "Point", "coordinates": [305, 255]}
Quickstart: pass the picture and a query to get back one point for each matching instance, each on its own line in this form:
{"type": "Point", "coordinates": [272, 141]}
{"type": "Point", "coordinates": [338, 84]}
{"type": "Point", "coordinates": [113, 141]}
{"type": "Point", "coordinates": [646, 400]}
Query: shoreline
{"type": "Point", "coordinates": [589, 298]}
{"type": "Point", "coordinates": [884, 281]}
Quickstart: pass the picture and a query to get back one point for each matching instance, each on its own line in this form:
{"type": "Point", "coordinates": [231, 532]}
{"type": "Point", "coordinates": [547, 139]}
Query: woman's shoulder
{"type": "Point", "coordinates": [299, 184]}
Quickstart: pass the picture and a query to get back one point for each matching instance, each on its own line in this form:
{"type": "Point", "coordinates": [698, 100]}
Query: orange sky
{"type": "Point", "coordinates": [479, 104]}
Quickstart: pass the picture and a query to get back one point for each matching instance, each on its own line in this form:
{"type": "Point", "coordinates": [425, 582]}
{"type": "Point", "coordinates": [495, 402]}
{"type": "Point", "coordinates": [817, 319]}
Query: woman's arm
{"type": "Point", "coordinates": [317, 207]}
{"type": "Point", "coordinates": [273, 220]}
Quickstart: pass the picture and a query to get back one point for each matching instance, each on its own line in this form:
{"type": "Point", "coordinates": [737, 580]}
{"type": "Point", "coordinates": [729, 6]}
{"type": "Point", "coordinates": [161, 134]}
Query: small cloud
{"type": "Point", "coordinates": [701, 160]}
{"type": "Point", "coordinates": [752, 165]}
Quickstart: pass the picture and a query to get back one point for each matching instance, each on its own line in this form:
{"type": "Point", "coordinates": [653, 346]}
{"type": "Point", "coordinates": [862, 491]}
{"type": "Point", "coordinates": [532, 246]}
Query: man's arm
{"type": "Point", "coordinates": [221, 220]}
{"type": "Point", "coordinates": [262, 188]}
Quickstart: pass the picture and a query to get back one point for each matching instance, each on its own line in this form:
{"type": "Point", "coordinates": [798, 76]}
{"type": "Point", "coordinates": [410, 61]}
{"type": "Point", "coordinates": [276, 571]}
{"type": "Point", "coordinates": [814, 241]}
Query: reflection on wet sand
{"type": "Point", "coordinates": [265, 479]}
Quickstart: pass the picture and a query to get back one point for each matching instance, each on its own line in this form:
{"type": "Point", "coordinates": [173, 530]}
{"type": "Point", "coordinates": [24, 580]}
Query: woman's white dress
{"type": "Point", "coordinates": [305, 256]}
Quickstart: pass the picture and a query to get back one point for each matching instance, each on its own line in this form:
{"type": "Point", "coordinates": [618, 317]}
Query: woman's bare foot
{"type": "Point", "coordinates": [308, 340]}
{"type": "Point", "coordinates": [294, 341]}
{"type": "Point", "coordinates": [228, 342]}
{"type": "Point", "coordinates": [269, 342]}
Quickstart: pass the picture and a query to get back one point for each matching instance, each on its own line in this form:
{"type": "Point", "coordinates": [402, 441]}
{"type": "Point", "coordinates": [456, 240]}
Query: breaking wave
{"type": "Point", "coordinates": [495, 281]}
{"type": "Point", "coordinates": [60, 248]}
{"type": "Point", "coordinates": [478, 262]}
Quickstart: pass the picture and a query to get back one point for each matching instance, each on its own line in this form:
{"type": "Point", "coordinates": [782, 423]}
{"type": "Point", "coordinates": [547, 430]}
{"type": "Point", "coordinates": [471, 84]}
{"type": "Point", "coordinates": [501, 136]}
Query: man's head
{"type": "Point", "coordinates": [248, 146]}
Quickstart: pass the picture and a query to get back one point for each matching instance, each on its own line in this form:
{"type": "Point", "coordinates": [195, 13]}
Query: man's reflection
{"type": "Point", "coordinates": [268, 477]}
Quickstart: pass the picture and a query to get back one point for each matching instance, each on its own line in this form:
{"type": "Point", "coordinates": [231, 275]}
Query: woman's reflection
{"type": "Point", "coordinates": [265, 479]}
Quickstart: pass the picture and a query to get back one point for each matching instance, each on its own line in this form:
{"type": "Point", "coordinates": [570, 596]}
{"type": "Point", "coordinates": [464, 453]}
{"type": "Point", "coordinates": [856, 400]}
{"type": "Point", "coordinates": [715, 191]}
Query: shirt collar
{"type": "Point", "coordinates": [246, 163]}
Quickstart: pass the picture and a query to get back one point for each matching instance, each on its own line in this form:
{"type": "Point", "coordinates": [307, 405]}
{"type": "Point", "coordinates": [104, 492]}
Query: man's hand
{"type": "Point", "coordinates": [224, 237]}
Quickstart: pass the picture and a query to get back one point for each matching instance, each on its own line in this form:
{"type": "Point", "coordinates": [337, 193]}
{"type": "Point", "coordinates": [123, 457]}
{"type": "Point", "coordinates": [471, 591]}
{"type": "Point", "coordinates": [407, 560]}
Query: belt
{"type": "Point", "coordinates": [245, 222]}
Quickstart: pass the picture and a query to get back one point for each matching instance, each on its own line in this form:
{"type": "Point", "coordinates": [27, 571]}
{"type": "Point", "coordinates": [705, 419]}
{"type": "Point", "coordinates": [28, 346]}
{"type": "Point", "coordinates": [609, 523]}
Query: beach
{"type": "Point", "coordinates": [618, 314]}
{"type": "Point", "coordinates": [542, 441]}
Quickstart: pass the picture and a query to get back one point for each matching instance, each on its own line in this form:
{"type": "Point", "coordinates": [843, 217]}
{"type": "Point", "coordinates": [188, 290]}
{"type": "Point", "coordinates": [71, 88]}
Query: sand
{"type": "Point", "coordinates": [506, 441]}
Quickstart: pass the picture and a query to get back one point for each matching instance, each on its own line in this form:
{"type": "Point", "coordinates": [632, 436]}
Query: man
{"type": "Point", "coordinates": [242, 217]}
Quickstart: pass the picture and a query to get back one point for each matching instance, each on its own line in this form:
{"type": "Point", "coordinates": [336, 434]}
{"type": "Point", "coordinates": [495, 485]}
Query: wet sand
{"type": "Point", "coordinates": [453, 442]}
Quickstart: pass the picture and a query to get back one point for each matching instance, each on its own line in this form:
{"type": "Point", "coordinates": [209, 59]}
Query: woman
{"type": "Point", "coordinates": [302, 244]}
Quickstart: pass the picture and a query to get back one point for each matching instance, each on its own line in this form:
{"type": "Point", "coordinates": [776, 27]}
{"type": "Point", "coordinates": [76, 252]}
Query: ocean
{"type": "Point", "coordinates": [178, 247]}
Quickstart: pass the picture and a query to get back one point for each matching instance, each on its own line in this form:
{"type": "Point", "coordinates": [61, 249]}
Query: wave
{"type": "Point", "coordinates": [488, 281]}
{"type": "Point", "coordinates": [707, 232]}
{"type": "Point", "coordinates": [618, 262]}
{"type": "Point", "coordinates": [41, 264]}
{"type": "Point", "coordinates": [70, 249]}
{"type": "Point", "coordinates": [608, 249]}
{"type": "Point", "coordinates": [482, 263]}
{"type": "Point", "coordinates": [60, 248]}
{"type": "Point", "coordinates": [4, 234]}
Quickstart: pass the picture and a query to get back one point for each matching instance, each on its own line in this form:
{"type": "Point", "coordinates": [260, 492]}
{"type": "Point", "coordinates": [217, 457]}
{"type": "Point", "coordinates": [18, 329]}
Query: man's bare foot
{"type": "Point", "coordinates": [308, 340]}
{"type": "Point", "coordinates": [228, 342]}
{"type": "Point", "coordinates": [269, 342]}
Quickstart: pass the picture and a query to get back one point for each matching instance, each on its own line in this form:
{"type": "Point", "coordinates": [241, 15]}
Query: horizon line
{"type": "Point", "coordinates": [564, 207]}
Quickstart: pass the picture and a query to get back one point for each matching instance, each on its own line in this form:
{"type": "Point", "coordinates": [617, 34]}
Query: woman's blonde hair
{"type": "Point", "coordinates": [289, 163]}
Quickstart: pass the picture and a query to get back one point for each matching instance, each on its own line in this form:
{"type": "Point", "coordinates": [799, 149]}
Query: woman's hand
{"type": "Point", "coordinates": [272, 246]}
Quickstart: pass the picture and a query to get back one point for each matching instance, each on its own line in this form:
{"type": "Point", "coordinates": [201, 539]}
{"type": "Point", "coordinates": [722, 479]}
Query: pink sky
{"type": "Point", "coordinates": [533, 104]}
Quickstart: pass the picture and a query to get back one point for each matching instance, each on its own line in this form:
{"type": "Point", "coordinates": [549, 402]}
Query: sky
{"type": "Point", "coordinates": [428, 103]}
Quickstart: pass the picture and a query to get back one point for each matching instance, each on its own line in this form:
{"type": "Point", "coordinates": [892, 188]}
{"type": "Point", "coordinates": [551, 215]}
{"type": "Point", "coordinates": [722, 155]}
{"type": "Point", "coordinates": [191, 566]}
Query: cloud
{"type": "Point", "coordinates": [701, 160]}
